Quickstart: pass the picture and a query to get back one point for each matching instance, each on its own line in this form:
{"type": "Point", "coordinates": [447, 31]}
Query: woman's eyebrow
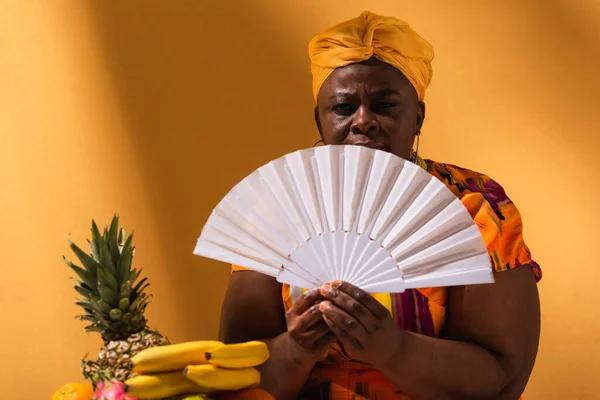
{"type": "Point", "coordinates": [385, 92]}
{"type": "Point", "coordinates": [341, 93]}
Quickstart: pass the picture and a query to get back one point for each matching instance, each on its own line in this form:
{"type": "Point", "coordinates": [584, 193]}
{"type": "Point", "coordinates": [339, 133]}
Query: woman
{"type": "Point", "coordinates": [336, 342]}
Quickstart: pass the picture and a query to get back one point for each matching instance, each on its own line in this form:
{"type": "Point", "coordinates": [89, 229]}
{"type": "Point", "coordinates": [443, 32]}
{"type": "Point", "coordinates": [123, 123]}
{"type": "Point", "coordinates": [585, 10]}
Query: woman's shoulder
{"type": "Point", "coordinates": [466, 184]}
{"type": "Point", "coordinates": [466, 180]}
{"type": "Point", "coordinates": [493, 211]}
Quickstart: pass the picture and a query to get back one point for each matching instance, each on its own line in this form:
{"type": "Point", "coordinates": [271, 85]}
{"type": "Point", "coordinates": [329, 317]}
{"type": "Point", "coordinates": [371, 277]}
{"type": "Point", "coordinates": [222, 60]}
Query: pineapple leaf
{"type": "Point", "coordinates": [135, 302]}
{"type": "Point", "coordinates": [121, 238]}
{"type": "Point", "coordinates": [96, 238]}
{"type": "Point", "coordinates": [124, 264]}
{"type": "Point", "coordinates": [107, 280]}
{"type": "Point", "coordinates": [94, 328]}
{"type": "Point", "coordinates": [107, 294]}
{"type": "Point", "coordinates": [86, 306]}
{"type": "Point", "coordinates": [99, 305]}
{"type": "Point", "coordinates": [81, 288]}
{"type": "Point", "coordinates": [134, 274]}
{"type": "Point", "coordinates": [87, 261]}
{"type": "Point", "coordinates": [143, 304]}
{"type": "Point", "coordinates": [105, 258]}
{"type": "Point", "coordinates": [86, 318]}
{"type": "Point", "coordinates": [126, 290]}
{"type": "Point", "coordinates": [137, 289]}
{"type": "Point", "coordinates": [142, 288]}
{"type": "Point", "coordinates": [112, 240]}
{"type": "Point", "coordinates": [85, 276]}
{"type": "Point", "coordinates": [103, 252]}
{"type": "Point", "coordinates": [124, 304]}
{"type": "Point", "coordinates": [94, 251]}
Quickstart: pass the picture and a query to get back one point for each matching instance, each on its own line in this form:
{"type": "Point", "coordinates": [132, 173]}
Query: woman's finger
{"type": "Point", "coordinates": [317, 331]}
{"type": "Point", "coordinates": [339, 321]}
{"type": "Point", "coordinates": [349, 341]}
{"type": "Point", "coordinates": [326, 340]}
{"type": "Point", "coordinates": [310, 317]}
{"type": "Point", "coordinates": [351, 306]}
{"type": "Point", "coordinates": [368, 301]}
{"type": "Point", "coordinates": [304, 302]}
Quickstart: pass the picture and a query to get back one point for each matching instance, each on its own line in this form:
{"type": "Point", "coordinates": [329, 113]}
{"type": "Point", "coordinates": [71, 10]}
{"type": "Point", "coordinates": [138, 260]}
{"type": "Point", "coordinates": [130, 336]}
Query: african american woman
{"type": "Point", "coordinates": [338, 342]}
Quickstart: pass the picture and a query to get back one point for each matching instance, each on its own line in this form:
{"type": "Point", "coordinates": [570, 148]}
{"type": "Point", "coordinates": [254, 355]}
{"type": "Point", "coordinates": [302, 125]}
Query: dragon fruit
{"type": "Point", "coordinates": [112, 391]}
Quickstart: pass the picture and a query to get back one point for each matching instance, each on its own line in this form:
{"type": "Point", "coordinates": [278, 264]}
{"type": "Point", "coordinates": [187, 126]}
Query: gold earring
{"type": "Point", "coordinates": [414, 155]}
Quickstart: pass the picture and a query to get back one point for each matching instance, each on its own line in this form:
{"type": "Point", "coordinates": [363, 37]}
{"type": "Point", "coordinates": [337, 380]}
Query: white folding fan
{"type": "Point", "coordinates": [347, 213]}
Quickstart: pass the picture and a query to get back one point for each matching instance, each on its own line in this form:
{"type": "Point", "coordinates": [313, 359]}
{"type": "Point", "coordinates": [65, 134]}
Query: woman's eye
{"type": "Point", "coordinates": [386, 104]}
{"type": "Point", "coordinates": [342, 108]}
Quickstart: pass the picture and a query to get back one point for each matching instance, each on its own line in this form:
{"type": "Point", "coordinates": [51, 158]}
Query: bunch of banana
{"type": "Point", "coordinates": [195, 367]}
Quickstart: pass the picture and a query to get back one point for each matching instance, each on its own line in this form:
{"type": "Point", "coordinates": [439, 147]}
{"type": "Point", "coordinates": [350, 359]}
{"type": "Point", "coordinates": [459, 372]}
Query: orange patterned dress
{"type": "Point", "coordinates": [423, 310]}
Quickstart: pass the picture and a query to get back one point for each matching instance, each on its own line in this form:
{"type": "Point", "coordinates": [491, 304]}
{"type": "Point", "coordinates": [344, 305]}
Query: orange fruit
{"type": "Point", "coordinates": [74, 391]}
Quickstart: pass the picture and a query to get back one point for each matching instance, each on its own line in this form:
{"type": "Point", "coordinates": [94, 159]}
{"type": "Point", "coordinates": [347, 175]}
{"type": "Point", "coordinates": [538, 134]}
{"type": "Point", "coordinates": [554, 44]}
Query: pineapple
{"type": "Point", "coordinates": [114, 302]}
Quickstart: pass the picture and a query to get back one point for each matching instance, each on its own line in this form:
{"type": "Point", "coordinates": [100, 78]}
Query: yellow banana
{"type": "Point", "coordinates": [163, 385]}
{"type": "Point", "coordinates": [220, 379]}
{"type": "Point", "coordinates": [239, 355]}
{"type": "Point", "coordinates": [173, 357]}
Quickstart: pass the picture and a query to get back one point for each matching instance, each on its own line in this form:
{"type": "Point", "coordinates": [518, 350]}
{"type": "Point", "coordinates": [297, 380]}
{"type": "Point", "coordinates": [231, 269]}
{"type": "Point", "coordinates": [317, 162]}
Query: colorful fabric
{"type": "Point", "coordinates": [389, 39]}
{"type": "Point", "coordinates": [424, 310]}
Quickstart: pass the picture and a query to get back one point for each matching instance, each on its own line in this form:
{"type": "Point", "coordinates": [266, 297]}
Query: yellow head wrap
{"type": "Point", "coordinates": [386, 38]}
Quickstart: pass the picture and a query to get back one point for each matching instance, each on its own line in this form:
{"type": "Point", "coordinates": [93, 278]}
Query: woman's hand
{"type": "Point", "coordinates": [308, 333]}
{"type": "Point", "coordinates": [363, 325]}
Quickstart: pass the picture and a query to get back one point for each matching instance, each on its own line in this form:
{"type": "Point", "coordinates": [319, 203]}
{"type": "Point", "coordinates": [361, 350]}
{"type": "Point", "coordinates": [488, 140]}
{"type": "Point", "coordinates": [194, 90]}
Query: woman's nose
{"type": "Point", "coordinates": [365, 122]}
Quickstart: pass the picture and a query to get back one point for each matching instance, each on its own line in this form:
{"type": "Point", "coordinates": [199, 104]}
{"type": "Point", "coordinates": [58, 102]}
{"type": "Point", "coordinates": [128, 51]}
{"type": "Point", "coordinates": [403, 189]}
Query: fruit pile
{"type": "Point", "coordinates": [136, 360]}
{"type": "Point", "coordinates": [195, 367]}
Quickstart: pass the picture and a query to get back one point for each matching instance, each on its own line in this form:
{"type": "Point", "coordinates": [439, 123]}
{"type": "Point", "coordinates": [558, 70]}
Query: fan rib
{"type": "Point", "coordinates": [386, 192]}
{"type": "Point", "coordinates": [419, 208]}
{"type": "Point", "coordinates": [380, 264]}
{"type": "Point", "coordinates": [324, 220]}
{"type": "Point", "coordinates": [282, 181]}
{"type": "Point", "coordinates": [327, 165]}
{"type": "Point", "coordinates": [363, 193]}
{"type": "Point", "coordinates": [350, 240]}
{"type": "Point", "coordinates": [444, 252]}
{"type": "Point", "coordinates": [411, 189]}
{"type": "Point", "coordinates": [451, 221]}
{"type": "Point", "coordinates": [272, 217]}
{"type": "Point", "coordinates": [304, 259]}
{"type": "Point", "coordinates": [340, 196]}
{"type": "Point", "coordinates": [371, 263]}
{"type": "Point", "coordinates": [269, 234]}
{"type": "Point", "coordinates": [209, 249]}
{"type": "Point", "coordinates": [290, 224]}
{"type": "Point", "coordinates": [235, 234]}
{"type": "Point", "coordinates": [271, 177]}
{"type": "Point", "coordinates": [358, 265]}
{"type": "Point", "coordinates": [301, 204]}
{"type": "Point", "coordinates": [302, 173]}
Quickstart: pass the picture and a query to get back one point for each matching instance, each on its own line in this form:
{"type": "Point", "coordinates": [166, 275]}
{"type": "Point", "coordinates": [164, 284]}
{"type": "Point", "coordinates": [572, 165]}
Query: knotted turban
{"type": "Point", "coordinates": [388, 39]}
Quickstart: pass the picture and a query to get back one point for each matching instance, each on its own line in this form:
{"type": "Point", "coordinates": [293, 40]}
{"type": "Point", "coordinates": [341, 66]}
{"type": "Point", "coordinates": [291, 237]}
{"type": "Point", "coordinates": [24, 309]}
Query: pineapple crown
{"type": "Point", "coordinates": [113, 302]}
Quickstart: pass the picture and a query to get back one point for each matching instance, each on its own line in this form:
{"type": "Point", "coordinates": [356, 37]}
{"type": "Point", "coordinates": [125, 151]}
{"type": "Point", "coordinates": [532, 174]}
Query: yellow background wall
{"type": "Point", "coordinates": [154, 109]}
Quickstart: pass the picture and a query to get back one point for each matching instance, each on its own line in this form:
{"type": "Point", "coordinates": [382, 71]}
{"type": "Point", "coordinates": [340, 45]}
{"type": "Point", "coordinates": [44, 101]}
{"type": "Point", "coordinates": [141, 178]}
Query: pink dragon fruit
{"type": "Point", "coordinates": [112, 391]}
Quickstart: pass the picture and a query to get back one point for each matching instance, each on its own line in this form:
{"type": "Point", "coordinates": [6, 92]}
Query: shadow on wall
{"type": "Point", "coordinates": [204, 90]}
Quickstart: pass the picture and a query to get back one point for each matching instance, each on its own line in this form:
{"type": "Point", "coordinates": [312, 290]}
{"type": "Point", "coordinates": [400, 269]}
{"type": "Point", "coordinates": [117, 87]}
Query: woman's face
{"type": "Point", "coordinates": [370, 104]}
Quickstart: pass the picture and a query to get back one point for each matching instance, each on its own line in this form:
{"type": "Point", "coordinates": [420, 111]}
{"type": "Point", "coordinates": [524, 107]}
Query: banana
{"type": "Point", "coordinates": [159, 386]}
{"type": "Point", "coordinates": [239, 355]}
{"type": "Point", "coordinates": [220, 379]}
{"type": "Point", "coordinates": [172, 357]}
